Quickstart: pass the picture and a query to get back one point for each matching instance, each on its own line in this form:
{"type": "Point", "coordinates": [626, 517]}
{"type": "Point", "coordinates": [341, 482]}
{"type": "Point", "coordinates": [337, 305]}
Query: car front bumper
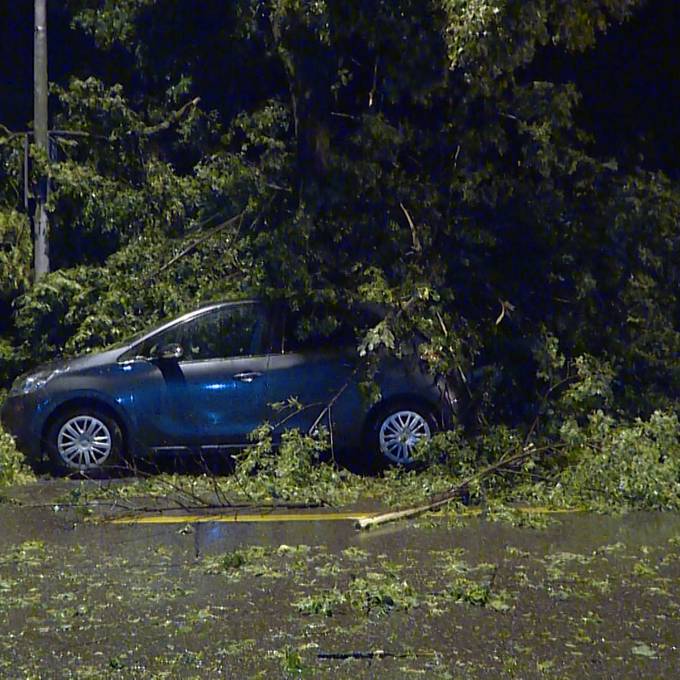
{"type": "Point", "coordinates": [18, 418]}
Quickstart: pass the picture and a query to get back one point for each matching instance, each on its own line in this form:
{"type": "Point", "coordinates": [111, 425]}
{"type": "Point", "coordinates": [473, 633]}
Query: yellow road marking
{"type": "Point", "coordinates": [245, 517]}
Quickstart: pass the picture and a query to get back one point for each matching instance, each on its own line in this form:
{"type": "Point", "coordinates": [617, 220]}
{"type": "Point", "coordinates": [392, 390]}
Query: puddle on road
{"type": "Point", "coordinates": [589, 594]}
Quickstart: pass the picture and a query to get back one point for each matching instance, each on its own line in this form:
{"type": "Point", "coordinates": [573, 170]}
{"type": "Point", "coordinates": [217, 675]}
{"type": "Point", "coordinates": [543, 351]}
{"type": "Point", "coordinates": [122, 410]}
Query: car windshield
{"type": "Point", "coordinates": [148, 330]}
{"type": "Point", "coordinates": [130, 339]}
{"type": "Point", "coordinates": [228, 331]}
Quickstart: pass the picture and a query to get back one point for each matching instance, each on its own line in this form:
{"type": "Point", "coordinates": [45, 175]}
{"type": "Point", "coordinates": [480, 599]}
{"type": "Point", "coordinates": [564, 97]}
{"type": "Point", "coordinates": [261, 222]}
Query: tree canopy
{"type": "Point", "coordinates": [458, 160]}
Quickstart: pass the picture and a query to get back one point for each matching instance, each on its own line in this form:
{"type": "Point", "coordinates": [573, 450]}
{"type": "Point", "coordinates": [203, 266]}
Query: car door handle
{"type": "Point", "coordinates": [247, 377]}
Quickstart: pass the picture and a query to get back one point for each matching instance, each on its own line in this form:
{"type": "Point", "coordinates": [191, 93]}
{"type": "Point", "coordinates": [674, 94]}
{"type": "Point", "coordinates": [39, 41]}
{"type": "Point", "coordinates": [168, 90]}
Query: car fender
{"type": "Point", "coordinates": [60, 401]}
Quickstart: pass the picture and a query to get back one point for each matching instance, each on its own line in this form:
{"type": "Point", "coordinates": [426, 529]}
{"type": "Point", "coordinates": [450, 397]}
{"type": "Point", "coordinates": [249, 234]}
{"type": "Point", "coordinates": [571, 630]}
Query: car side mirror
{"type": "Point", "coordinates": [173, 351]}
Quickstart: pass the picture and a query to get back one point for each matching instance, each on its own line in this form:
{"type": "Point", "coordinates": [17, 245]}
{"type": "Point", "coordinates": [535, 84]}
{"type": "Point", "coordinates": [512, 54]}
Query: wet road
{"type": "Point", "coordinates": [441, 597]}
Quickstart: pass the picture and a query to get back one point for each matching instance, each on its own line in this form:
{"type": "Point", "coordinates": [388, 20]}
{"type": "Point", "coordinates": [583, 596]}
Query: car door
{"type": "Point", "coordinates": [216, 391]}
{"type": "Point", "coordinates": [317, 371]}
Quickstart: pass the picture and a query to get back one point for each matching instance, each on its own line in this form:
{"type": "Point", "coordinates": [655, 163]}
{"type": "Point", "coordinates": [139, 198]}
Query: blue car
{"type": "Point", "coordinates": [204, 381]}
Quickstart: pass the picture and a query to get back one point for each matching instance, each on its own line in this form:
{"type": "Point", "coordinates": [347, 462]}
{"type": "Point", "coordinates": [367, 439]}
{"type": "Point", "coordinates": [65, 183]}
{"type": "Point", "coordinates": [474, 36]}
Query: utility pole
{"type": "Point", "coordinates": [40, 128]}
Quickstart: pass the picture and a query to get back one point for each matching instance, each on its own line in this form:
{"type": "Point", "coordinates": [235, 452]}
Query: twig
{"type": "Point", "coordinates": [195, 244]}
{"type": "Point", "coordinates": [330, 404]}
{"type": "Point", "coordinates": [414, 234]}
{"type": "Point", "coordinates": [219, 494]}
{"type": "Point", "coordinates": [544, 401]}
{"type": "Point", "coordinates": [180, 490]}
{"type": "Point", "coordinates": [78, 133]}
{"type": "Point", "coordinates": [174, 118]}
{"type": "Point", "coordinates": [378, 654]}
{"type": "Point", "coordinates": [506, 307]}
{"type": "Point", "coordinates": [339, 114]}
{"type": "Point", "coordinates": [374, 86]}
{"type": "Point", "coordinates": [442, 324]}
{"type": "Point", "coordinates": [330, 434]}
{"type": "Point", "coordinates": [297, 411]}
{"type": "Point", "coordinates": [11, 134]}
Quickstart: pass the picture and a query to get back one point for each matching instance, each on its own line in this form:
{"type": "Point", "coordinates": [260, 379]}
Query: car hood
{"type": "Point", "coordinates": [91, 360]}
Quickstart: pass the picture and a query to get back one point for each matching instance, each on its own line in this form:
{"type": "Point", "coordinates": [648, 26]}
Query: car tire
{"type": "Point", "coordinates": [394, 429]}
{"type": "Point", "coordinates": [84, 440]}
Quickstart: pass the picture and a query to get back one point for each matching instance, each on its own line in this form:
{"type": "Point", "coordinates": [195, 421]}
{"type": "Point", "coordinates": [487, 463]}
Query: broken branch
{"type": "Point", "coordinates": [414, 234]}
{"type": "Point", "coordinates": [439, 501]}
{"type": "Point", "coordinates": [192, 246]}
{"type": "Point", "coordinates": [174, 118]}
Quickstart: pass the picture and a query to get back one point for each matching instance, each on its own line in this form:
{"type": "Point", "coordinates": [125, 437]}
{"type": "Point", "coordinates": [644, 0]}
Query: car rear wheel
{"type": "Point", "coordinates": [395, 431]}
{"type": "Point", "coordinates": [84, 440]}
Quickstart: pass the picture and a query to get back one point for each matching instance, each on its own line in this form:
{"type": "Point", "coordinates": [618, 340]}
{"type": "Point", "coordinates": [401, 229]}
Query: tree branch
{"type": "Point", "coordinates": [414, 234]}
{"type": "Point", "coordinates": [192, 246]}
{"type": "Point", "coordinates": [447, 497]}
{"type": "Point", "coordinates": [174, 118]}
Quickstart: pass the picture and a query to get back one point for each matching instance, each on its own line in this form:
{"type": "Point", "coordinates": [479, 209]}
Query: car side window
{"type": "Point", "coordinates": [299, 335]}
{"type": "Point", "coordinates": [232, 331]}
{"type": "Point", "coordinates": [297, 339]}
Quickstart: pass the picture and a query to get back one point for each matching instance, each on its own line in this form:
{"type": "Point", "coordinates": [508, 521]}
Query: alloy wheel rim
{"type": "Point", "coordinates": [84, 443]}
{"type": "Point", "coordinates": [400, 433]}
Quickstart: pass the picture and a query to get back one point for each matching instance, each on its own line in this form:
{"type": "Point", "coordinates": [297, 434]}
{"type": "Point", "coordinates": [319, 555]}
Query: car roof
{"type": "Point", "coordinates": [216, 304]}
{"type": "Point", "coordinates": [229, 301]}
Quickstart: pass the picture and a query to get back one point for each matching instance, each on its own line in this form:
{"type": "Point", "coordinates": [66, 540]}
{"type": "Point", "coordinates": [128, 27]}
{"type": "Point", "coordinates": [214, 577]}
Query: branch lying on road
{"type": "Point", "coordinates": [377, 654]}
{"type": "Point", "coordinates": [453, 494]}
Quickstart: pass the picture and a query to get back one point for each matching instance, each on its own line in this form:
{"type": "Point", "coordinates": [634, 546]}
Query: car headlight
{"type": "Point", "coordinates": [33, 382]}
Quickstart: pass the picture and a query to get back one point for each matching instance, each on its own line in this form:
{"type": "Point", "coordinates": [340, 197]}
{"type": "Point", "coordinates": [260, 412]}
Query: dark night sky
{"type": "Point", "coordinates": [630, 81]}
{"type": "Point", "coordinates": [631, 87]}
{"type": "Point", "coordinates": [69, 52]}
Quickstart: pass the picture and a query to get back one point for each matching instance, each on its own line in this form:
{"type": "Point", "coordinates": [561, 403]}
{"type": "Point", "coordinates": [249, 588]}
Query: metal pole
{"type": "Point", "coordinates": [40, 219]}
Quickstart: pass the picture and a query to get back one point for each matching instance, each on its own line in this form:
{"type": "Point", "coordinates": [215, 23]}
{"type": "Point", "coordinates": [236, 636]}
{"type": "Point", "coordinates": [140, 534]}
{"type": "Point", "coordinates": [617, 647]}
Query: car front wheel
{"type": "Point", "coordinates": [84, 440]}
{"type": "Point", "coordinates": [396, 430]}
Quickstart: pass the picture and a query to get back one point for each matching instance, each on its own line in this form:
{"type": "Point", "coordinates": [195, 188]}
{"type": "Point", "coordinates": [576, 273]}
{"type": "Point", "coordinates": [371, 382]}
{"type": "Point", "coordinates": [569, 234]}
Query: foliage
{"type": "Point", "coordinates": [15, 253]}
{"type": "Point", "coordinates": [380, 593]}
{"type": "Point", "coordinates": [12, 467]}
{"type": "Point", "coordinates": [373, 594]}
{"type": "Point", "coordinates": [325, 602]}
{"type": "Point", "coordinates": [245, 559]}
{"type": "Point", "coordinates": [620, 464]}
{"type": "Point", "coordinates": [291, 470]}
{"type": "Point", "coordinates": [86, 308]}
{"type": "Point", "coordinates": [478, 594]}
{"type": "Point", "coordinates": [419, 155]}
